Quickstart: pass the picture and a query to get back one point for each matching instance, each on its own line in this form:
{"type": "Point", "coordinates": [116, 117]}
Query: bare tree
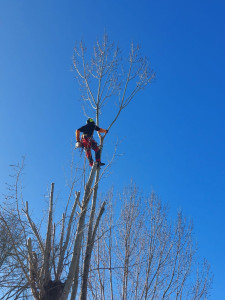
{"type": "Point", "coordinates": [12, 281]}
{"type": "Point", "coordinates": [5, 245]}
{"type": "Point", "coordinates": [144, 255]}
{"type": "Point", "coordinates": [88, 254]}
{"type": "Point", "coordinates": [106, 79]}
{"type": "Point", "coordinates": [48, 261]}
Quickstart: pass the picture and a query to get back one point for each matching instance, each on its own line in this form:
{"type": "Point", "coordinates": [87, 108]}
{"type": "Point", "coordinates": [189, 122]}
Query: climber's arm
{"type": "Point", "coordinates": [103, 130]}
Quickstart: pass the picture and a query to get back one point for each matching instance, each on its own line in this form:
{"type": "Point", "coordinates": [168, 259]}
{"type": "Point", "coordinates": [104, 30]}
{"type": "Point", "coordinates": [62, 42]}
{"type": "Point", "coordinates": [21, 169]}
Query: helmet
{"type": "Point", "coordinates": [90, 120]}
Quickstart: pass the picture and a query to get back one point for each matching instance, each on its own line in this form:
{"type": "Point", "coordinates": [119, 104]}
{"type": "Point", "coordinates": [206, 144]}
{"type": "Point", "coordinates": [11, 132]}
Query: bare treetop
{"type": "Point", "coordinates": [109, 78]}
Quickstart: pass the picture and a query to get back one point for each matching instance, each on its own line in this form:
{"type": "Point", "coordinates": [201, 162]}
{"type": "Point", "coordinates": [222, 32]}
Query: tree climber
{"type": "Point", "coordinates": [88, 142]}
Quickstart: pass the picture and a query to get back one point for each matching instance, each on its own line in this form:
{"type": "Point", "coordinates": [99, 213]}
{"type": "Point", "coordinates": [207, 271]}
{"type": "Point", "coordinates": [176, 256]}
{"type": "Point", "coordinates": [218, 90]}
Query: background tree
{"type": "Point", "coordinates": [141, 254]}
{"type": "Point", "coordinates": [12, 240]}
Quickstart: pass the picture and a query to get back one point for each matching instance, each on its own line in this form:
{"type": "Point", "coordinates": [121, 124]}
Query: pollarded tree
{"type": "Point", "coordinates": [47, 263]}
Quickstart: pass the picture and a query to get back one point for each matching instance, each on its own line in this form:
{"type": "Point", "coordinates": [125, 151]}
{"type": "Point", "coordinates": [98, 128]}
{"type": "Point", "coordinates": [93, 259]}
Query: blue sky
{"type": "Point", "coordinates": [172, 134]}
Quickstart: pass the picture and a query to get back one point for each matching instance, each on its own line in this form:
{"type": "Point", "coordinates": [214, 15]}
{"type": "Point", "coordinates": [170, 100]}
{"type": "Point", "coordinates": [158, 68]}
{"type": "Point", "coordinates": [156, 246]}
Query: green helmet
{"type": "Point", "coordinates": [90, 120]}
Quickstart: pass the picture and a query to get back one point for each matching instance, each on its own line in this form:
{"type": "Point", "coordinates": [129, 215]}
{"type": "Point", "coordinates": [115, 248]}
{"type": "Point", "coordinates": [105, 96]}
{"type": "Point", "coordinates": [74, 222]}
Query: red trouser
{"type": "Point", "coordinates": [89, 143]}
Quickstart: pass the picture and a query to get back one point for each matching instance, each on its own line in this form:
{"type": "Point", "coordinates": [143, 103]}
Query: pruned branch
{"type": "Point", "coordinates": [34, 228]}
{"type": "Point", "coordinates": [65, 246]}
{"type": "Point", "coordinates": [48, 243]}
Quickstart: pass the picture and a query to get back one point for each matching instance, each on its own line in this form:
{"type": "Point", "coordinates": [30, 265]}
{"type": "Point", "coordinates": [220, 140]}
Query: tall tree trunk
{"type": "Point", "coordinates": [72, 276]}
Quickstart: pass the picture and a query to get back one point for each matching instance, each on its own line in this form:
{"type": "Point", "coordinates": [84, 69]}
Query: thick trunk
{"type": "Point", "coordinates": [75, 283]}
{"type": "Point", "coordinates": [77, 245]}
{"type": "Point", "coordinates": [63, 249]}
{"type": "Point", "coordinates": [83, 295]}
{"type": "Point", "coordinates": [89, 245]}
{"type": "Point", "coordinates": [87, 260]}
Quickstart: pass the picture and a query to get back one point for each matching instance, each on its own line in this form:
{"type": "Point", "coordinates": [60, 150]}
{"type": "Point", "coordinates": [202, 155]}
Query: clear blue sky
{"type": "Point", "coordinates": [181, 116]}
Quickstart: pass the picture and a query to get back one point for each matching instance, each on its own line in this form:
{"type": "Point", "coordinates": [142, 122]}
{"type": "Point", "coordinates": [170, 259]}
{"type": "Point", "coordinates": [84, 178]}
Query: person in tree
{"type": "Point", "coordinates": [88, 142]}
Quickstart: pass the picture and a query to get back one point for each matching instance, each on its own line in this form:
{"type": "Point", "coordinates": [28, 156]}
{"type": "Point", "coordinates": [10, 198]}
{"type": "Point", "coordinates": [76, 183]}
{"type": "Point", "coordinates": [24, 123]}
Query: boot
{"type": "Point", "coordinates": [99, 164]}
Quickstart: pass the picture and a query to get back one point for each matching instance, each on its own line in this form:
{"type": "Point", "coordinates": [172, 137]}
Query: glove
{"type": "Point", "coordinates": [78, 145]}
